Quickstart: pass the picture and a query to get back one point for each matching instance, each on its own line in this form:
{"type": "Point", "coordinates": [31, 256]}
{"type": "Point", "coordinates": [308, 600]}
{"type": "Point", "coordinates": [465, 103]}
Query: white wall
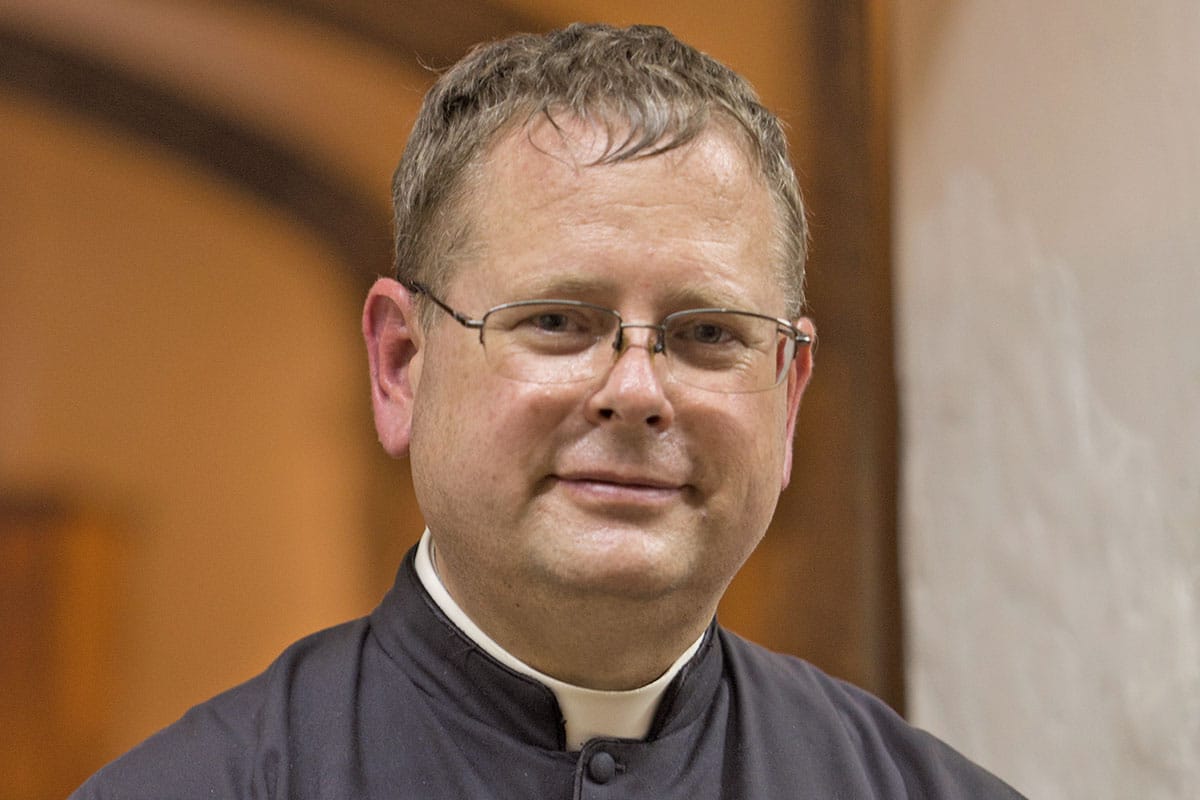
{"type": "Point", "coordinates": [1047, 169]}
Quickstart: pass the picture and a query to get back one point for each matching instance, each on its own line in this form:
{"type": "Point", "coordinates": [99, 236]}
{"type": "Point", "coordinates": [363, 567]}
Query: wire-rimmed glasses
{"type": "Point", "coordinates": [561, 341]}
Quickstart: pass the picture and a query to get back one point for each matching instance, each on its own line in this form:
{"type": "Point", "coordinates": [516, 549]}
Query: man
{"type": "Point", "coordinates": [593, 354]}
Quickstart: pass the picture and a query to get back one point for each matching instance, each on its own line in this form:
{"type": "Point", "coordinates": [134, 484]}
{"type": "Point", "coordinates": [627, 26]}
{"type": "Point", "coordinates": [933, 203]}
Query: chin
{"type": "Point", "coordinates": [629, 564]}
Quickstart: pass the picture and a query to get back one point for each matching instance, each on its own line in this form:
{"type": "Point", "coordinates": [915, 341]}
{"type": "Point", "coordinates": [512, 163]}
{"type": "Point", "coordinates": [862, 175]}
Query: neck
{"type": "Point", "coordinates": [594, 642]}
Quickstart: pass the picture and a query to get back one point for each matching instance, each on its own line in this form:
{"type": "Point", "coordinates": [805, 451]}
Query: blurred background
{"type": "Point", "coordinates": [995, 519]}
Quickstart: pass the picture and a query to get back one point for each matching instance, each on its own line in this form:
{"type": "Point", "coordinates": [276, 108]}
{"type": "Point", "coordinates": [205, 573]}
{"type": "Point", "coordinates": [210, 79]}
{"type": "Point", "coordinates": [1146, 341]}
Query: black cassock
{"type": "Point", "coordinates": [401, 704]}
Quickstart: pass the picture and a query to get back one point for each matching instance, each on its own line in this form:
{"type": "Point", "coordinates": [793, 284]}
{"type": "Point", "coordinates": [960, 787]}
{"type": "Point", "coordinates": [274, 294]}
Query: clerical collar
{"type": "Point", "coordinates": [587, 713]}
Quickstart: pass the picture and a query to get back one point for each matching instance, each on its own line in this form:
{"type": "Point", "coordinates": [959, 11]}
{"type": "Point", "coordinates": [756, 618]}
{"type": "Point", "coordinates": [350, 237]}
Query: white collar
{"type": "Point", "coordinates": [587, 713]}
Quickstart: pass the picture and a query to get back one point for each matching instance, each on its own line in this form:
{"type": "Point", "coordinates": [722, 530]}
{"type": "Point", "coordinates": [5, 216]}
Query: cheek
{"type": "Point", "coordinates": [486, 427]}
{"type": "Point", "coordinates": [745, 445]}
{"type": "Point", "coordinates": [751, 428]}
{"type": "Point", "coordinates": [480, 452]}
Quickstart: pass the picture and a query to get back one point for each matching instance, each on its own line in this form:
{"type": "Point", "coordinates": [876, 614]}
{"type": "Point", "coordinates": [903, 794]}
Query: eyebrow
{"type": "Point", "coordinates": [705, 297]}
{"type": "Point", "coordinates": [566, 287]}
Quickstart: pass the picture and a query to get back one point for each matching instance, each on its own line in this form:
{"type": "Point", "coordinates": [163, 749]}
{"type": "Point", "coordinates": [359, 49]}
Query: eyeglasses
{"type": "Point", "coordinates": [556, 341]}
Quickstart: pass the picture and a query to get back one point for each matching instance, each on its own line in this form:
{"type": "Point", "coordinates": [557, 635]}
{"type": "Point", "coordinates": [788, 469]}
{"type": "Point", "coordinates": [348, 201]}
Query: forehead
{"type": "Point", "coordinates": [546, 209]}
{"type": "Point", "coordinates": [566, 156]}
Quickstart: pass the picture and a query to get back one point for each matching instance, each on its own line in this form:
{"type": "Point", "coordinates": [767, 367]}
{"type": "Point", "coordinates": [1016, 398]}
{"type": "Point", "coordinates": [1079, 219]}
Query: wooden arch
{"type": "Point", "coordinates": [825, 583]}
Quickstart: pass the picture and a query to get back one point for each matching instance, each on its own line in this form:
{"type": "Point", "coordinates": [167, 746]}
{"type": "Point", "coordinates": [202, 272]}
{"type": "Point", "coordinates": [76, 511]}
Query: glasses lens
{"type": "Point", "coordinates": [565, 342]}
{"type": "Point", "coordinates": [554, 342]}
{"type": "Point", "coordinates": [727, 351]}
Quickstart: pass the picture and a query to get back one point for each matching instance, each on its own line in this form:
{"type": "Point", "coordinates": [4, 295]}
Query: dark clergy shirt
{"type": "Point", "coordinates": [401, 704]}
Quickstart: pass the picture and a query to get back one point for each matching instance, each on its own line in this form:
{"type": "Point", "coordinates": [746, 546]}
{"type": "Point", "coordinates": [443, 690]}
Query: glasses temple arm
{"type": "Point", "coordinates": [459, 317]}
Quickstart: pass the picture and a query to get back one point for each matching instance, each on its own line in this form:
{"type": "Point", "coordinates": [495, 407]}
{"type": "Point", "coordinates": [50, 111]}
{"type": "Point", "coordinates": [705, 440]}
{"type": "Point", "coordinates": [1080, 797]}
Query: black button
{"type": "Point", "coordinates": [602, 767]}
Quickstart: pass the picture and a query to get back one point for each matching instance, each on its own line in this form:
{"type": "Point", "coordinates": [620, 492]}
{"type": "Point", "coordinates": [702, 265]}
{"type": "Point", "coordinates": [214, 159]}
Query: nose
{"type": "Point", "coordinates": [632, 390]}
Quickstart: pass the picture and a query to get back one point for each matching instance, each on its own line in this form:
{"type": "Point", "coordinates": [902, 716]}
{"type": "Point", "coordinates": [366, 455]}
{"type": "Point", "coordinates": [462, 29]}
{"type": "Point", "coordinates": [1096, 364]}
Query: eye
{"type": "Point", "coordinates": [557, 320]}
{"type": "Point", "coordinates": [707, 333]}
{"type": "Point", "coordinates": [711, 330]}
{"type": "Point", "coordinates": [550, 327]}
{"type": "Point", "coordinates": [553, 322]}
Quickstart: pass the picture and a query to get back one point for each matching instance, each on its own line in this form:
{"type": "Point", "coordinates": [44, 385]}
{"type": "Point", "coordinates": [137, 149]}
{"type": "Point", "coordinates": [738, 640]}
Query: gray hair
{"type": "Point", "coordinates": [650, 91]}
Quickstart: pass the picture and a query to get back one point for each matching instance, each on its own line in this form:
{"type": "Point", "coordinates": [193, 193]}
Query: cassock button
{"type": "Point", "coordinates": [602, 767]}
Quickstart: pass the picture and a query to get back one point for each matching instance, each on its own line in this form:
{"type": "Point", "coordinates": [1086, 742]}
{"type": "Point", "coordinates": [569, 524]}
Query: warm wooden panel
{"type": "Point", "coordinates": [824, 583]}
{"type": "Point", "coordinates": [435, 32]}
{"type": "Point", "coordinates": [210, 137]}
{"type": "Point", "coordinates": [58, 569]}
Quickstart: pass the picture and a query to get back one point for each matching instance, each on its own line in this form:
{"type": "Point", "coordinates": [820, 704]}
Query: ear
{"type": "Point", "coordinates": [797, 382]}
{"type": "Point", "coordinates": [394, 348]}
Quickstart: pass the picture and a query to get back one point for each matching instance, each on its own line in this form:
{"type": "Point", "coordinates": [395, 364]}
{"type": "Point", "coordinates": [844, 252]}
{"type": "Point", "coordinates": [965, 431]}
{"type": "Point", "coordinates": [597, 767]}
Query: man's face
{"type": "Point", "coordinates": [628, 485]}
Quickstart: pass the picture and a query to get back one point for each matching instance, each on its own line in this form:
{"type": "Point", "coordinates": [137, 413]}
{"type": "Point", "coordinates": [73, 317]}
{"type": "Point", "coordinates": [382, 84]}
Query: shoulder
{"type": "Point", "coordinates": [232, 745]}
{"type": "Point", "coordinates": [784, 698]}
{"type": "Point", "coordinates": [786, 682]}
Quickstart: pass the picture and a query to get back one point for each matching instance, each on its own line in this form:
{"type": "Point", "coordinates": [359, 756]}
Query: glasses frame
{"type": "Point", "coordinates": [785, 327]}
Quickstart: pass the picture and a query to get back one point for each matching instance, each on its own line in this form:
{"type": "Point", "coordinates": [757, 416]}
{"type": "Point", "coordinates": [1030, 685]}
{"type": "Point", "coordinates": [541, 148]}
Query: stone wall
{"type": "Point", "coordinates": [1047, 181]}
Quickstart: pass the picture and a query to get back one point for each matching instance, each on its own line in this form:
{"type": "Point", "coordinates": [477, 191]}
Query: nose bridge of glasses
{"type": "Point", "coordinates": [655, 337]}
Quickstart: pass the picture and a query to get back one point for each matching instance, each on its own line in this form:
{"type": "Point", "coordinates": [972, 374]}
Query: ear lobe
{"type": "Point", "coordinates": [393, 337]}
{"type": "Point", "coordinates": [797, 381]}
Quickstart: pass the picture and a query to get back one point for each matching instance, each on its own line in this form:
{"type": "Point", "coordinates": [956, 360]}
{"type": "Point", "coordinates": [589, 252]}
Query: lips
{"type": "Point", "coordinates": [625, 494]}
{"type": "Point", "coordinates": [620, 480]}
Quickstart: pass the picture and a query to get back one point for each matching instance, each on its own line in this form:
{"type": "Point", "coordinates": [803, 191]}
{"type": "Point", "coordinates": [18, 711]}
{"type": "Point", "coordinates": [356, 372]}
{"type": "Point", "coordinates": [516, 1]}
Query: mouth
{"type": "Point", "coordinates": [621, 479]}
{"type": "Point", "coordinates": [601, 488]}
